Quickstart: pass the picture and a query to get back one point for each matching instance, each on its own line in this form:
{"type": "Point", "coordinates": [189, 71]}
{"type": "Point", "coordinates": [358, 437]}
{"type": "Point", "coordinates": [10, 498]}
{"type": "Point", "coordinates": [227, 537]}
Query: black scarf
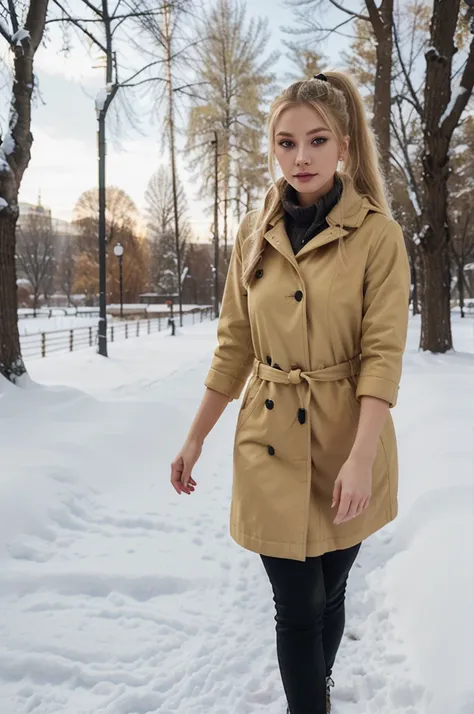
{"type": "Point", "coordinates": [305, 222]}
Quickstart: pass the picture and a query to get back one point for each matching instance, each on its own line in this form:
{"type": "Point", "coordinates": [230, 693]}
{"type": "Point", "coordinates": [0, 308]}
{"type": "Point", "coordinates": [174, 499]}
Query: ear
{"type": "Point", "coordinates": [345, 147]}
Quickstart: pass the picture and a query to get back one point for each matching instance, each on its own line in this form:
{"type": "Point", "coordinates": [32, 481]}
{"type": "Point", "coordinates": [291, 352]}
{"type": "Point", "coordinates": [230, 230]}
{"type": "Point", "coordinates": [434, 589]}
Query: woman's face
{"type": "Point", "coordinates": [307, 152]}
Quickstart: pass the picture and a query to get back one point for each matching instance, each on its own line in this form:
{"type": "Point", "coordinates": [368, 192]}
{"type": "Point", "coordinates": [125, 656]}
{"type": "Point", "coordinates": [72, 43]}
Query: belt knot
{"type": "Point", "coordinates": [294, 376]}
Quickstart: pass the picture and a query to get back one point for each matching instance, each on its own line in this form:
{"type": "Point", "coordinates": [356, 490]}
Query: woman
{"type": "Point", "coordinates": [316, 308]}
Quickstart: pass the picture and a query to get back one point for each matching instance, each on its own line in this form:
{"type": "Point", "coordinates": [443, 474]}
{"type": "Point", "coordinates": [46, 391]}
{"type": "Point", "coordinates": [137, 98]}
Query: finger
{"type": "Point", "coordinates": [343, 508]}
{"type": "Point", "coordinates": [186, 475]}
{"type": "Point", "coordinates": [336, 495]}
{"type": "Point", "coordinates": [353, 511]}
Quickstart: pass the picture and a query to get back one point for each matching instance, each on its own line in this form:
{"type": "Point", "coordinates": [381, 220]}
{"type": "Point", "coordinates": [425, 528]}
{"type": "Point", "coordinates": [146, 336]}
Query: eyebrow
{"type": "Point", "coordinates": [308, 133]}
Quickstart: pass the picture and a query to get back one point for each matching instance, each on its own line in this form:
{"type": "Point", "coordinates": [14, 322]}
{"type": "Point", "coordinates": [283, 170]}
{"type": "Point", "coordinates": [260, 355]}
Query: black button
{"type": "Point", "coordinates": [259, 273]}
{"type": "Point", "coordinates": [298, 296]}
{"type": "Point", "coordinates": [269, 404]}
{"type": "Point", "coordinates": [301, 416]}
{"type": "Point", "coordinates": [269, 361]}
{"type": "Point", "coordinates": [271, 451]}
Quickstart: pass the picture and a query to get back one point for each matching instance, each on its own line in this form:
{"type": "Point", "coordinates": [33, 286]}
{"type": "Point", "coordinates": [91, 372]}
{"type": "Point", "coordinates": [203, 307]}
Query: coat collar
{"type": "Point", "coordinates": [347, 214]}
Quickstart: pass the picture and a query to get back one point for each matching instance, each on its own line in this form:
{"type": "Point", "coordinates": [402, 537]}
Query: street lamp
{"type": "Point", "coordinates": [118, 250]}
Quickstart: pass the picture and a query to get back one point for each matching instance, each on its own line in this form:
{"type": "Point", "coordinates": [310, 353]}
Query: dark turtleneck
{"type": "Point", "coordinates": [305, 222]}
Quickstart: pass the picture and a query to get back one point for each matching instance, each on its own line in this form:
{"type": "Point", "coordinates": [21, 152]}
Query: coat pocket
{"type": "Point", "coordinates": [249, 401]}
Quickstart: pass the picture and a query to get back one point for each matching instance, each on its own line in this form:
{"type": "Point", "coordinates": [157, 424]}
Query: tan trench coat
{"type": "Point", "coordinates": [332, 322]}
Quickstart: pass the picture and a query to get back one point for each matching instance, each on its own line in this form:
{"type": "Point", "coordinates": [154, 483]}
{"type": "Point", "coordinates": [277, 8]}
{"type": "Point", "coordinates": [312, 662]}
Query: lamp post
{"type": "Point", "coordinates": [118, 250]}
{"type": "Point", "coordinates": [215, 144]}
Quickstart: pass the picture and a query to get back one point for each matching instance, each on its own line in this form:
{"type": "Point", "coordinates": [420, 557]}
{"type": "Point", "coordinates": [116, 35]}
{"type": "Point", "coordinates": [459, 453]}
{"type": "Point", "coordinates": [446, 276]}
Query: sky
{"type": "Point", "coordinates": [64, 125]}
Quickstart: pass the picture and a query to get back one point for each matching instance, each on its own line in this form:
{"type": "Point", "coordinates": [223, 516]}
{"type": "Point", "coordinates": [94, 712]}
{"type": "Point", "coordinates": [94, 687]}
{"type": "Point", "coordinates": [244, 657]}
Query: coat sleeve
{"type": "Point", "coordinates": [234, 354]}
{"type": "Point", "coordinates": [385, 316]}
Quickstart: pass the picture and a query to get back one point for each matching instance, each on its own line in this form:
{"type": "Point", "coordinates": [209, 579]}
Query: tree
{"type": "Point", "coordinates": [23, 40]}
{"type": "Point", "coordinates": [199, 263]}
{"type": "Point", "coordinates": [121, 226]}
{"type": "Point", "coordinates": [120, 211]}
{"type": "Point", "coordinates": [67, 267]}
{"type": "Point", "coordinates": [306, 61]}
{"type": "Point", "coordinates": [236, 77]}
{"type": "Point", "coordinates": [439, 107]}
{"type": "Point", "coordinates": [460, 205]}
{"type": "Point", "coordinates": [36, 253]}
{"type": "Point", "coordinates": [169, 39]}
{"type": "Point", "coordinates": [165, 264]}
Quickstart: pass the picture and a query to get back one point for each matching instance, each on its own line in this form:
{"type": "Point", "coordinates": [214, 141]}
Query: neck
{"type": "Point", "coordinates": [307, 199]}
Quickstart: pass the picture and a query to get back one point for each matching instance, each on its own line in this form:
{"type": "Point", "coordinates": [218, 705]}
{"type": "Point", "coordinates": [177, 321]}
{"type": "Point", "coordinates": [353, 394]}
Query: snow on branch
{"type": "Point", "coordinates": [21, 35]}
{"type": "Point", "coordinates": [101, 98]}
{"type": "Point", "coordinates": [458, 93]}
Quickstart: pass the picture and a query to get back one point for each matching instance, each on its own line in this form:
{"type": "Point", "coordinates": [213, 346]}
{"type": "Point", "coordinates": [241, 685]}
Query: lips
{"type": "Point", "coordinates": [306, 175]}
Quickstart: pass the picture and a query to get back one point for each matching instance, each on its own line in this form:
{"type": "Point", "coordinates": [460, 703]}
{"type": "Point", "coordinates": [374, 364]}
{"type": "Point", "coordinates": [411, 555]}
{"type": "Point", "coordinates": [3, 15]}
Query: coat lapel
{"type": "Point", "coordinates": [347, 214]}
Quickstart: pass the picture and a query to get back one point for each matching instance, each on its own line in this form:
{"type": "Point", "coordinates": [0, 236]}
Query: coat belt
{"type": "Point", "coordinates": [299, 377]}
{"type": "Point", "coordinates": [350, 368]}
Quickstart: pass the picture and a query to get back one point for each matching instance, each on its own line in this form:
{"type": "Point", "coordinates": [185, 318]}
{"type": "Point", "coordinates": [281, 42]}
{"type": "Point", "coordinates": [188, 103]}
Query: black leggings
{"type": "Point", "coordinates": [309, 598]}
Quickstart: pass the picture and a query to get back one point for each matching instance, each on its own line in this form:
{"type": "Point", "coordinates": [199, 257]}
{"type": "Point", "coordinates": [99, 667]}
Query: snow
{"type": "Point", "coordinates": [33, 325]}
{"type": "Point", "coordinates": [101, 98]}
{"type": "Point", "coordinates": [4, 167]}
{"type": "Point", "coordinates": [459, 91]}
{"type": "Point", "coordinates": [119, 597]}
{"type": "Point", "coordinates": [8, 145]}
{"type": "Point", "coordinates": [414, 200]}
{"type": "Point", "coordinates": [3, 203]}
{"type": "Point", "coordinates": [21, 35]}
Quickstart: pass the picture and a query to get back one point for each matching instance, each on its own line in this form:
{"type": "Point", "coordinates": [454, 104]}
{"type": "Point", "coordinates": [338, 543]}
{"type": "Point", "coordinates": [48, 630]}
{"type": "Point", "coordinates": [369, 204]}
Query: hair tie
{"type": "Point", "coordinates": [321, 76]}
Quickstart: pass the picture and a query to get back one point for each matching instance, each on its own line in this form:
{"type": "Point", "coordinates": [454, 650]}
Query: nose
{"type": "Point", "coordinates": [302, 158]}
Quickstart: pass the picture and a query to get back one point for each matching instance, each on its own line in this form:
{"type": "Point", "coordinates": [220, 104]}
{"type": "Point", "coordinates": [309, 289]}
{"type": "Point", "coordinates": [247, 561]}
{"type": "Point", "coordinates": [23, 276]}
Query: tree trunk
{"type": "Point", "coordinates": [11, 362]}
{"type": "Point", "coordinates": [382, 20]}
{"type": "Point", "coordinates": [169, 79]}
{"type": "Point", "coordinates": [436, 305]}
{"type": "Point", "coordinates": [461, 286]}
{"type": "Point", "coordinates": [14, 160]}
{"type": "Point", "coordinates": [440, 120]}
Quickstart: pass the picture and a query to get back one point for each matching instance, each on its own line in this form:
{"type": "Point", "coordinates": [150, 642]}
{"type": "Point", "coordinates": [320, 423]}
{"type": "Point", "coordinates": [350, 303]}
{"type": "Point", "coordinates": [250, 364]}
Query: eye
{"type": "Point", "coordinates": [288, 144]}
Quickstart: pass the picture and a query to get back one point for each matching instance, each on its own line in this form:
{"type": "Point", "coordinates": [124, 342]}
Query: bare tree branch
{"type": "Point", "coordinates": [462, 97]}
{"type": "Point", "coordinates": [13, 16]}
{"type": "Point", "coordinates": [93, 8]}
{"type": "Point", "coordinates": [349, 12]}
{"type": "Point", "coordinates": [80, 27]}
{"type": "Point", "coordinates": [415, 100]}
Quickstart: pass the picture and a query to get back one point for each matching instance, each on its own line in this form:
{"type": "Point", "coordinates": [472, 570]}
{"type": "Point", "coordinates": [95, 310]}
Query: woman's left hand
{"type": "Point", "coordinates": [353, 489]}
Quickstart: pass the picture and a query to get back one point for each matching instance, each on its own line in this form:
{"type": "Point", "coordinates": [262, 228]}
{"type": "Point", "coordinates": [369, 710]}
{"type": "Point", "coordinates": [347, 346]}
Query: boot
{"type": "Point", "coordinates": [329, 684]}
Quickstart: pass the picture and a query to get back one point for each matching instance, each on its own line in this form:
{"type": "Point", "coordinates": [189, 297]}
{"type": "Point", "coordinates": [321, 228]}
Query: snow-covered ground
{"type": "Point", "coordinates": [61, 321]}
{"type": "Point", "coordinates": [119, 597]}
{"type": "Point", "coordinates": [42, 323]}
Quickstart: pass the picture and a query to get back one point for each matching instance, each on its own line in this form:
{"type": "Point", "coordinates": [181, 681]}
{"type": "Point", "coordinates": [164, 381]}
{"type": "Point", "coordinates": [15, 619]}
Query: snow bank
{"type": "Point", "coordinates": [119, 597]}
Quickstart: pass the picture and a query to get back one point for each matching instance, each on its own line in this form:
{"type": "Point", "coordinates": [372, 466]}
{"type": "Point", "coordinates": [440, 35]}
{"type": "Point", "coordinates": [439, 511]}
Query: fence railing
{"type": "Point", "coordinates": [50, 312]}
{"type": "Point", "coordinates": [41, 344]}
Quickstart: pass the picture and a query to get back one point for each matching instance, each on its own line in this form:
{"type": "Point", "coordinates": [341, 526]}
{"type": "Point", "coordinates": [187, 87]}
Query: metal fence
{"type": "Point", "coordinates": [41, 344]}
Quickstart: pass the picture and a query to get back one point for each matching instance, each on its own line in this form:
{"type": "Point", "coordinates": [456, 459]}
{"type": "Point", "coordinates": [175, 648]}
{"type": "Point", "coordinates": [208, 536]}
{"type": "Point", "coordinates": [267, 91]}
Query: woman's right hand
{"type": "Point", "coordinates": [182, 466]}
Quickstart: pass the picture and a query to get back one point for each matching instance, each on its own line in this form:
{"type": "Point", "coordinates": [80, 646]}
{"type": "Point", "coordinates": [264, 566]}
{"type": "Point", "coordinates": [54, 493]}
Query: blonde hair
{"type": "Point", "coordinates": [341, 105]}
